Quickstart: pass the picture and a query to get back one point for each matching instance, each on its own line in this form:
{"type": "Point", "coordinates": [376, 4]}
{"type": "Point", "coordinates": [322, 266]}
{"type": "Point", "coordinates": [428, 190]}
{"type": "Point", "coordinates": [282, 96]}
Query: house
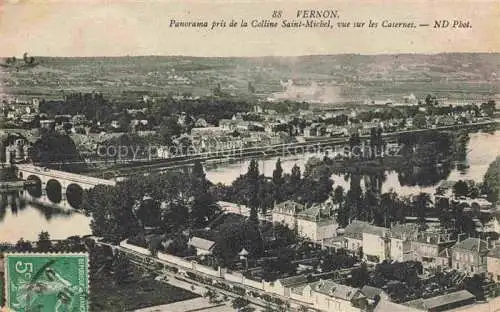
{"type": "Point", "coordinates": [316, 224]}
{"type": "Point", "coordinates": [286, 213]}
{"type": "Point", "coordinates": [469, 255]}
{"type": "Point", "coordinates": [374, 240]}
{"type": "Point", "coordinates": [283, 286]}
{"type": "Point", "coordinates": [427, 246]}
{"type": "Point", "coordinates": [227, 124]}
{"type": "Point", "coordinates": [442, 303]}
{"type": "Point", "coordinates": [401, 238]}
{"type": "Point", "coordinates": [493, 264]}
{"type": "Point", "coordinates": [353, 235]}
{"type": "Point", "coordinates": [202, 246]}
{"type": "Point", "coordinates": [328, 295]}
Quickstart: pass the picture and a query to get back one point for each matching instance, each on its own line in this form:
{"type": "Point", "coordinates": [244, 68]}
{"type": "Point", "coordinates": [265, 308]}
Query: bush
{"type": "Point", "coordinates": [239, 303]}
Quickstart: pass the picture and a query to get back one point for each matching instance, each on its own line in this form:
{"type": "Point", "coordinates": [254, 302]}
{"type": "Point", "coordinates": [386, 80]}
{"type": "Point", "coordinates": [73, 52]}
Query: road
{"type": "Point", "coordinates": [149, 262]}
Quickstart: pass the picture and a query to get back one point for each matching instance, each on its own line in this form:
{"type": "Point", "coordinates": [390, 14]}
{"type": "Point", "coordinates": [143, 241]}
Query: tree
{"type": "Point", "coordinates": [388, 207]}
{"type": "Point", "coordinates": [252, 191]}
{"type": "Point", "coordinates": [491, 182]}
{"type": "Point", "coordinates": [421, 204]}
{"type": "Point", "coordinates": [420, 121]}
{"type": "Point", "coordinates": [239, 303]}
{"type": "Point", "coordinates": [121, 269]}
{"type": "Point", "coordinates": [294, 183]}
{"type": "Point", "coordinates": [360, 276]}
{"type": "Point", "coordinates": [111, 211]}
{"type": "Point", "coordinates": [278, 182]}
{"type": "Point", "coordinates": [23, 246]}
{"type": "Point", "coordinates": [203, 206]}
{"type": "Point", "coordinates": [169, 128]}
{"type": "Point", "coordinates": [488, 108]}
{"type": "Point", "coordinates": [57, 151]}
{"type": "Point", "coordinates": [342, 212]}
{"type": "Point", "coordinates": [44, 244]}
{"type": "Point", "coordinates": [460, 188]}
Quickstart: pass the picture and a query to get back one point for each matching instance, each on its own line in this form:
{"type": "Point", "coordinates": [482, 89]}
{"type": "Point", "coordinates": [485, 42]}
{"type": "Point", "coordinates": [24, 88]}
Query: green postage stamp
{"type": "Point", "coordinates": [52, 282]}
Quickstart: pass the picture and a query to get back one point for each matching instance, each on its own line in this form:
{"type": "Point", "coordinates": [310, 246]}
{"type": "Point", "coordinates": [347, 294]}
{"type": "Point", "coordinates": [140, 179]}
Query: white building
{"type": "Point", "coordinates": [314, 223]}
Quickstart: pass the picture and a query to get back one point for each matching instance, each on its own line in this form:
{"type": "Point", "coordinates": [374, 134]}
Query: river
{"type": "Point", "coordinates": [23, 220]}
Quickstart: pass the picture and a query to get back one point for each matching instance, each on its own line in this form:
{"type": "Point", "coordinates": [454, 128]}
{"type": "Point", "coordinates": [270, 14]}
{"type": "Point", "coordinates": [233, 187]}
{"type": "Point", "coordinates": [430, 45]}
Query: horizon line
{"type": "Point", "coordinates": [260, 56]}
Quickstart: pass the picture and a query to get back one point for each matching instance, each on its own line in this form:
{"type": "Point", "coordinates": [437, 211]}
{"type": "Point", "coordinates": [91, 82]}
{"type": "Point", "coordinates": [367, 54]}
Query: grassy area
{"type": "Point", "coordinates": [138, 290]}
{"type": "Point", "coordinates": [142, 291]}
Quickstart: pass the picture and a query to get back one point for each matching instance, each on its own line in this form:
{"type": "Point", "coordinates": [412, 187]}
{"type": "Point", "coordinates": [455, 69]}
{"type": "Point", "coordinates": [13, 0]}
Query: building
{"type": "Point", "coordinates": [493, 264]}
{"type": "Point", "coordinates": [402, 236]}
{"type": "Point", "coordinates": [443, 303]}
{"type": "Point", "coordinates": [427, 246]}
{"type": "Point", "coordinates": [202, 246]}
{"type": "Point", "coordinates": [314, 223]}
{"type": "Point", "coordinates": [470, 255]}
{"type": "Point", "coordinates": [388, 306]}
{"type": "Point", "coordinates": [328, 295]}
{"type": "Point", "coordinates": [374, 240]}
{"type": "Point", "coordinates": [283, 286]}
{"type": "Point", "coordinates": [286, 213]}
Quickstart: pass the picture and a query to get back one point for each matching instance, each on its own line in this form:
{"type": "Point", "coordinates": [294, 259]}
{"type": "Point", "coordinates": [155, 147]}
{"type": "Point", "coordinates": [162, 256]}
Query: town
{"type": "Point", "coordinates": [287, 242]}
{"type": "Point", "coordinates": [194, 187]}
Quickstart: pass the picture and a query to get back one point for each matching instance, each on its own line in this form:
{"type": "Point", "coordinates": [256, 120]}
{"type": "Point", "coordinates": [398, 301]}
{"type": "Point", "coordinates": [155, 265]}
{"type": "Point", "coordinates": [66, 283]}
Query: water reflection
{"type": "Point", "coordinates": [22, 219]}
{"type": "Point", "coordinates": [14, 202]}
{"type": "Point", "coordinates": [463, 158]}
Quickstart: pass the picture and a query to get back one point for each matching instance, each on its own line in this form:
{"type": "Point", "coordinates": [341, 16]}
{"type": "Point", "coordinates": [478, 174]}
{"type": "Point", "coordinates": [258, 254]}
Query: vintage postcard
{"type": "Point", "coordinates": [292, 156]}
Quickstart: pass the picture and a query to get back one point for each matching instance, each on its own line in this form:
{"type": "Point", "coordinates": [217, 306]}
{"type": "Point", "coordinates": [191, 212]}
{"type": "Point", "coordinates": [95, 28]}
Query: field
{"type": "Point", "coordinates": [325, 79]}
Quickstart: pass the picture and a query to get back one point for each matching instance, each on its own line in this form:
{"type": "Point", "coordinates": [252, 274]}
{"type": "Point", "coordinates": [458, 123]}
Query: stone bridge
{"type": "Point", "coordinates": [57, 188]}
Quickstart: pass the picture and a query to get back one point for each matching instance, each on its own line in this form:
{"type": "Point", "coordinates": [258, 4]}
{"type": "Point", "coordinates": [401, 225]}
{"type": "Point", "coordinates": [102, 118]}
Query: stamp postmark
{"type": "Point", "coordinates": [47, 282]}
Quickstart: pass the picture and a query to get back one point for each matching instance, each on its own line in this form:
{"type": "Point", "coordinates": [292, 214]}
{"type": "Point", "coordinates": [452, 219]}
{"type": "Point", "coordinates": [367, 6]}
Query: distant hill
{"type": "Point", "coordinates": [355, 76]}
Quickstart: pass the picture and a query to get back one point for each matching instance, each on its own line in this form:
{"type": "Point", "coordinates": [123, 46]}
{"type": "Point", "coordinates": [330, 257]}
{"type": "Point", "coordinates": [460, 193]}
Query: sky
{"type": "Point", "coordinates": [123, 27]}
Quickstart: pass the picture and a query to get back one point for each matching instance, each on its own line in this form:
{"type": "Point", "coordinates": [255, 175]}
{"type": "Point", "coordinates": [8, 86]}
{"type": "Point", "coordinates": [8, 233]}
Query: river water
{"type": "Point", "coordinates": [23, 220]}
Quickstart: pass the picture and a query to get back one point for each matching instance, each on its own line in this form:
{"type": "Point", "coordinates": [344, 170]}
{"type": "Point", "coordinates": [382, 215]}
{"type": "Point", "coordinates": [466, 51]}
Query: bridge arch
{"type": "Point", "coordinates": [34, 189]}
{"type": "Point", "coordinates": [54, 191]}
{"type": "Point", "coordinates": [74, 195]}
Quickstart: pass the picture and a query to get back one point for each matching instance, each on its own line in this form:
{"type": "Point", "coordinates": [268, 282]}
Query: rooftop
{"type": "Point", "coordinates": [333, 289]}
{"type": "Point", "coordinates": [472, 244]}
{"type": "Point", "coordinates": [289, 207]}
{"type": "Point", "coordinates": [388, 306]}
{"type": "Point", "coordinates": [404, 231]}
{"type": "Point", "coordinates": [314, 213]}
{"type": "Point", "coordinates": [356, 229]}
{"type": "Point", "coordinates": [439, 301]}
{"type": "Point", "coordinates": [201, 243]}
{"type": "Point", "coordinates": [293, 280]}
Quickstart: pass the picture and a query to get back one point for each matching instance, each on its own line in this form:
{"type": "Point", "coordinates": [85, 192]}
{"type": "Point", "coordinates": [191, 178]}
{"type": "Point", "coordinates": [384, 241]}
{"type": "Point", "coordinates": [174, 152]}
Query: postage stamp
{"type": "Point", "coordinates": [51, 282]}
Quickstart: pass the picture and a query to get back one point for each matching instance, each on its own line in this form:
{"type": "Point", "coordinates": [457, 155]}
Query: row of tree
{"type": "Point", "coordinates": [168, 203]}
